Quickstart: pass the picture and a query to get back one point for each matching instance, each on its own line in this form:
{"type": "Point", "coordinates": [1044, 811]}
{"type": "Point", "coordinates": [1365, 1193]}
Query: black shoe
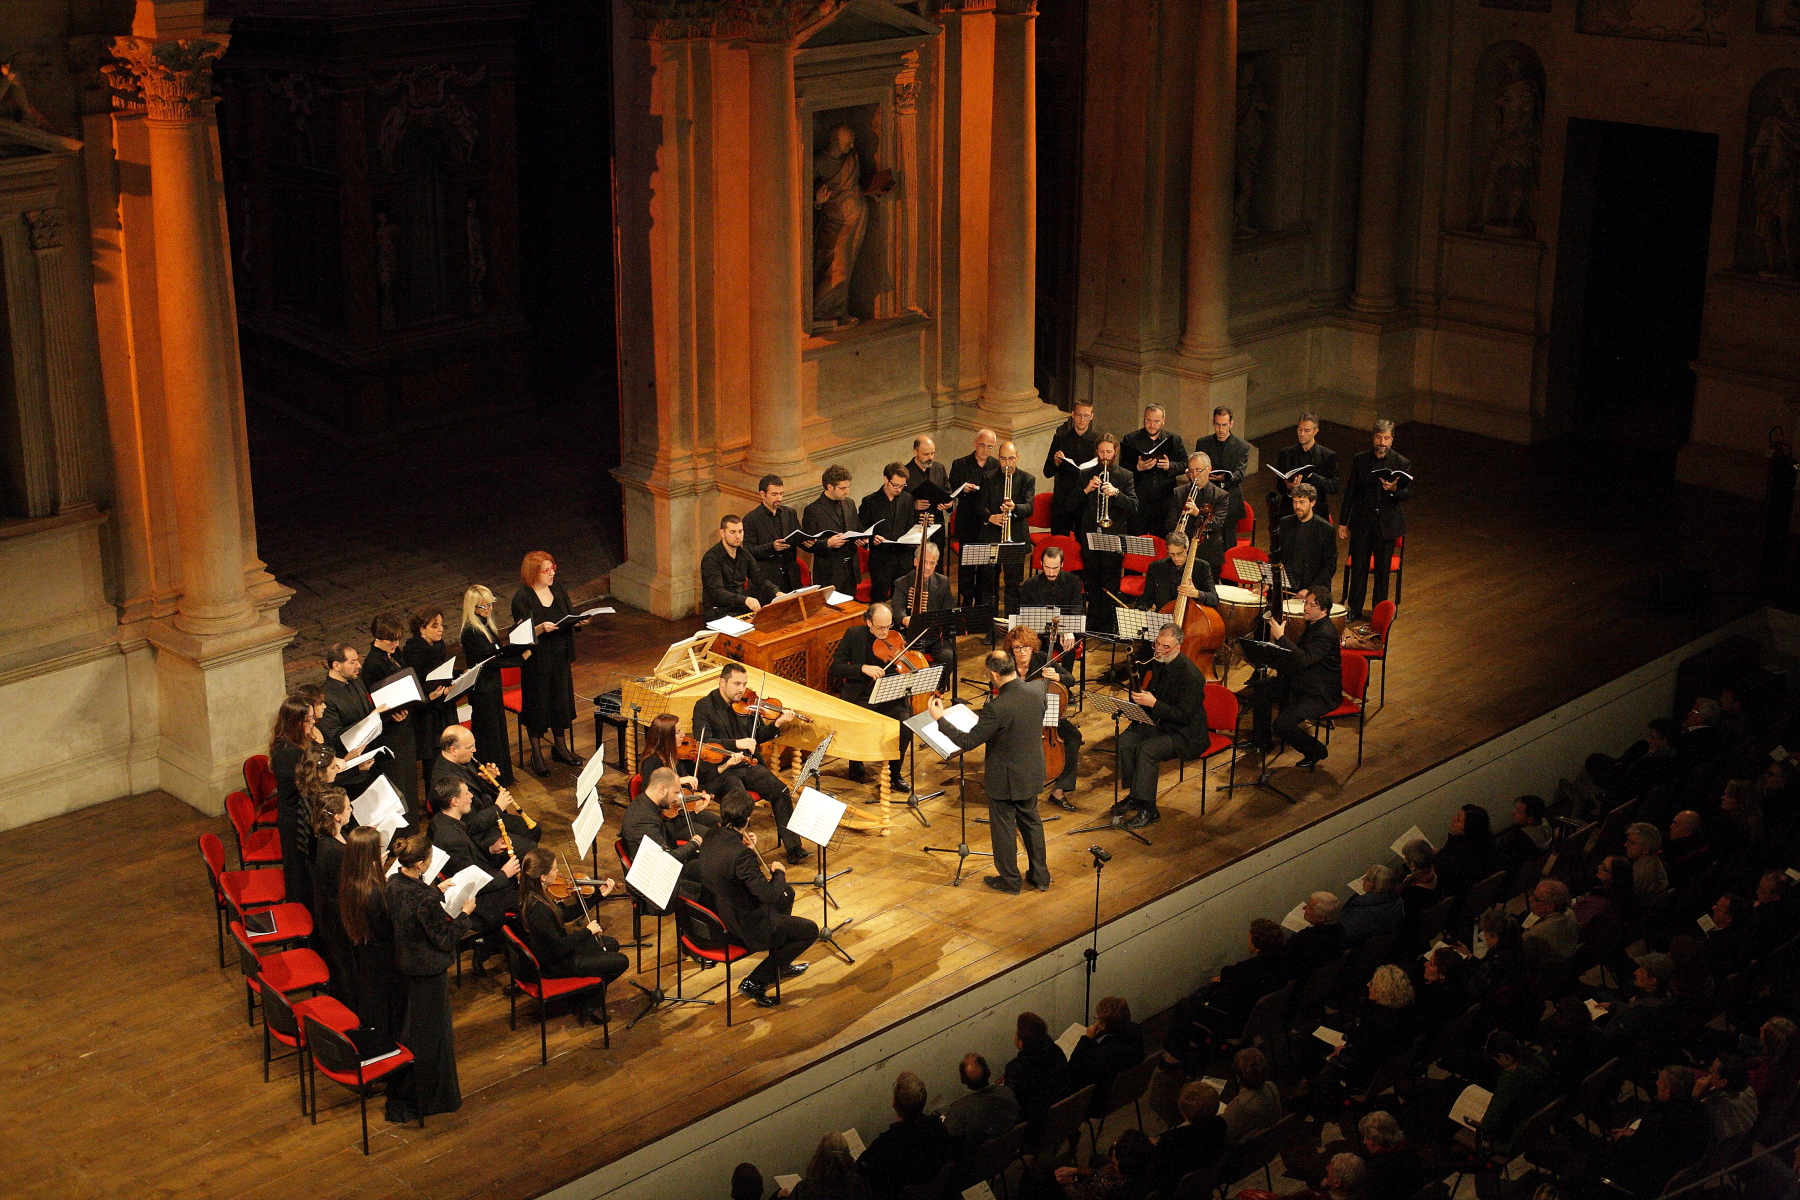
{"type": "Point", "coordinates": [759, 993]}
{"type": "Point", "coordinates": [1123, 808]}
{"type": "Point", "coordinates": [856, 773]}
{"type": "Point", "coordinates": [797, 855]}
{"type": "Point", "coordinates": [1141, 818]}
{"type": "Point", "coordinates": [1309, 764]}
{"type": "Point", "coordinates": [1063, 802]}
{"type": "Point", "coordinates": [794, 969]}
{"type": "Point", "coordinates": [1042, 887]}
{"type": "Point", "coordinates": [558, 753]}
{"type": "Point", "coordinates": [538, 766]}
{"type": "Point", "coordinates": [1000, 885]}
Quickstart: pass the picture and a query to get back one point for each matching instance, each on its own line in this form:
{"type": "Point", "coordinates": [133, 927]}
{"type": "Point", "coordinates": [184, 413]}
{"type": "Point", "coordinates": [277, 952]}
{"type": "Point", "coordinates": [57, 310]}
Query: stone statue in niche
{"type": "Point", "coordinates": [841, 199]}
{"type": "Point", "coordinates": [1515, 141]}
{"type": "Point", "coordinates": [1775, 184]}
{"type": "Point", "coordinates": [1252, 133]}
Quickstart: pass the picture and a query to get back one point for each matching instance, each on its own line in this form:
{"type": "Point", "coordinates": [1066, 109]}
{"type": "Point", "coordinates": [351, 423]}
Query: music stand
{"type": "Point", "coordinates": [815, 817]}
{"type": "Point", "coordinates": [1012, 556]}
{"type": "Point", "coordinates": [893, 687]}
{"type": "Point", "coordinates": [1121, 710]}
{"type": "Point", "coordinates": [1265, 657]}
{"type": "Point", "coordinates": [1039, 620]}
{"type": "Point", "coordinates": [976, 554]}
{"type": "Point", "coordinates": [1105, 543]}
{"type": "Point", "coordinates": [947, 750]}
{"type": "Point", "coordinates": [655, 998]}
{"type": "Point", "coordinates": [810, 769]}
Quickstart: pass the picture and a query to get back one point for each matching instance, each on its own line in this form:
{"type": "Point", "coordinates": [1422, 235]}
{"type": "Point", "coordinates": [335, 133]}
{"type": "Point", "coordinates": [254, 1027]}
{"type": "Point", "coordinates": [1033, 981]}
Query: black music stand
{"type": "Point", "coordinates": [1268, 659]}
{"type": "Point", "coordinates": [819, 822]}
{"type": "Point", "coordinates": [909, 684]}
{"type": "Point", "coordinates": [961, 850]}
{"type": "Point", "coordinates": [1011, 555]}
{"type": "Point", "coordinates": [1121, 710]}
{"type": "Point", "coordinates": [654, 997]}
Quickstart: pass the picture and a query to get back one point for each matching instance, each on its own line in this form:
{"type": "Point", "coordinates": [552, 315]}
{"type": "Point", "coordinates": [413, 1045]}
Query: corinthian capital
{"type": "Point", "coordinates": [759, 20]}
{"type": "Point", "coordinates": [174, 75]}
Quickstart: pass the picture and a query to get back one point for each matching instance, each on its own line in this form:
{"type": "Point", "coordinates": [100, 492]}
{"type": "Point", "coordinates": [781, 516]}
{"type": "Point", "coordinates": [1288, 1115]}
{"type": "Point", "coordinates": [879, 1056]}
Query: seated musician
{"type": "Point", "coordinates": [731, 581]}
{"type": "Point", "coordinates": [563, 952]}
{"type": "Point", "coordinates": [1027, 653]}
{"type": "Point", "coordinates": [1173, 692]}
{"type": "Point", "coordinates": [660, 751]}
{"type": "Point", "coordinates": [1162, 581]}
{"type": "Point", "coordinates": [1055, 588]}
{"type": "Point", "coordinates": [1313, 685]}
{"type": "Point", "coordinates": [1306, 546]}
{"type": "Point", "coordinates": [656, 813]}
{"type": "Point", "coordinates": [1184, 512]}
{"type": "Point", "coordinates": [941, 650]}
{"type": "Point", "coordinates": [757, 911]}
{"type": "Point", "coordinates": [715, 723]}
{"type": "Point", "coordinates": [491, 802]}
{"type": "Point", "coordinates": [858, 667]}
{"type": "Point", "coordinates": [451, 799]}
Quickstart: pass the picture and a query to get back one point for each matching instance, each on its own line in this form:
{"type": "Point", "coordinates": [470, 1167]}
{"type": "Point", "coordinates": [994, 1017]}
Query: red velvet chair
{"type": "Point", "coordinates": [1136, 564]}
{"type": "Point", "coordinates": [1039, 524]}
{"type": "Point", "coordinates": [1394, 565]}
{"type": "Point", "coordinates": [512, 699]}
{"type": "Point", "coordinates": [1246, 526]}
{"type": "Point", "coordinates": [1071, 552]}
{"type": "Point", "coordinates": [281, 1022]}
{"type": "Point", "coordinates": [259, 781]}
{"type": "Point", "coordinates": [805, 572]}
{"type": "Point", "coordinates": [246, 891]}
{"type": "Point", "coordinates": [284, 970]}
{"type": "Point", "coordinates": [335, 1057]}
{"type": "Point", "coordinates": [521, 962]}
{"type": "Point", "coordinates": [1221, 735]}
{"type": "Point", "coordinates": [864, 586]}
{"type": "Point", "coordinates": [1234, 555]}
{"type": "Point", "coordinates": [1382, 623]}
{"type": "Point", "coordinates": [255, 847]}
{"type": "Point", "coordinates": [696, 921]}
{"type": "Point", "coordinates": [1356, 694]}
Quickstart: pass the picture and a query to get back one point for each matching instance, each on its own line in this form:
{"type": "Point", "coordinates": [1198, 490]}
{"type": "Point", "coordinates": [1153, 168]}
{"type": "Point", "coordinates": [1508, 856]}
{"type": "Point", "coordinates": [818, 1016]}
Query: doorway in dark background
{"type": "Point", "coordinates": [1631, 282]}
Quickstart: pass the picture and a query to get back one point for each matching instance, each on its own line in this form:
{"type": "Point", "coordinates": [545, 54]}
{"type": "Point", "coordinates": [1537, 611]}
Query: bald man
{"type": "Point", "coordinates": [490, 803]}
{"type": "Point", "coordinates": [1014, 493]}
{"type": "Point", "coordinates": [924, 465]}
{"type": "Point", "coordinates": [981, 468]}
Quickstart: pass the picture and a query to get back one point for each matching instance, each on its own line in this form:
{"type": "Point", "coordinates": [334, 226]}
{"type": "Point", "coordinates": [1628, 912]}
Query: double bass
{"type": "Point", "coordinates": [1054, 751]}
{"type": "Point", "coordinates": [1202, 628]}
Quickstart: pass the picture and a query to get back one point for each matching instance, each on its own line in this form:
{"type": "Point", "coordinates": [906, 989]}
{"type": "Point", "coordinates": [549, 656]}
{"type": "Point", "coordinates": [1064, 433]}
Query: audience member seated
{"type": "Point", "coordinates": [746, 1182]}
{"type": "Point", "coordinates": [1322, 941]}
{"type": "Point", "coordinates": [1378, 911]}
{"type": "Point", "coordinates": [1729, 945]}
{"type": "Point", "coordinates": [1647, 1012]}
{"type": "Point", "coordinates": [1772, 919]}
{"type": "Point", "coordinates": [1701, 742]}
{"type": "Point", "coordinates": [1777, 1069]}
{"type": "Point", "coordinates": [1686, 853]}
{"type": "Point", "coordinates": [1392, 1167]}
{"type": "Point", "coordinates": [1221, 1007]}
{"type": "Point", "coordinates": [1345, 1176]}
{"type": "Point", "coordinates": [1521, 1088]}
{"type": "Point", "coordinates": [1726, 1095]}
{"type": "Point", "coordinates": [1257, 1104]}
{"type": "Point", "coordinates": [1113, 1043]}
{"type": "Point", "coordinates": [1610, 897]}
{"type": "Point", "coordinates": [1554, 934]}
{"type": "Point", "coordinates": [910, 1151]}
{"type": "Point", "coordinates": [1649, 877]}
{"type": "Point", "coordinates": [1573, 1042]}
{"type": "Point", "coordinates": [1196, 1143]}
{"type": "Point", "coordinates": [989, 1110]}
{"type": "Point", "coordinates": [1467, 856]}
{"type": "Point", "coordinates": [1125, 1176]}
{"type": "Point", "coordinates": [1038, 1076]}
{"type": "Point", "coordinates": [1672, 1134]}
{"type": "Point", "coordinates": [1419, 889]}
{"type": "Point", "coordinates": [1528, 836]}
{"type": "Point", "coordinates": [832, 1174]}
{"type": "Point", "coordinates": [1737, 830]}
{"type": "Point", "coordinates": [1442, 993]}
{"type": "Point", "coordinates": [1382, 1028]}
{"type": "Point", "coordinates": [1502, 979]}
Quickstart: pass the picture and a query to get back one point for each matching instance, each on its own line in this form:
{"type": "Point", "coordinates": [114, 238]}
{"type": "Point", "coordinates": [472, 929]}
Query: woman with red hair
{"type": "Point", "coordinates": [547, 700]}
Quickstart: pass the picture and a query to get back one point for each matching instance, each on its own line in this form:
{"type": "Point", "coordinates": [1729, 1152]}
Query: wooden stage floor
{"type": "Point", "coordinates": [128, 1068]}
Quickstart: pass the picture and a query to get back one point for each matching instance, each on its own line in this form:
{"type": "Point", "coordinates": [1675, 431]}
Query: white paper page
{"type": "Point", "coordinates": [836, 598]}
{"type": "Point", "coordinates": [378, 801]}
{"type": "Point", "coordinates": [387, 827]}
{"type": "Point", "coordinates": [1794, 873]}
{"type": "Point", "coordinates": [464, 713]}
{"type": "Point", "coordinates": [444, 670]}
{"type": "Point", "coordinates": [433, 865]}
{"type": "Point", "coordinates": [1330, 1037]}
{"type": "Point", "coordinates": [361, 733]}
{"type": "Point", "coordinates": [589, 779]}
{"type": "Point", "coordinates": [1217, 1085]}
{"type": "Point", "coordinates": [1356, 885]}
{"type": "Point", "coordinates": [815, 816]}
{"type": "Point", "coordinates": [404, 690]}
{"type": "Point", "coordinates": [731, 625]}
{"type": "Point", "coordinates": [523, 634]}
{"type": "Point", "coordinates": [1594, 1009]}
{"type": "Point", "coordinates": [1295, 921]}
{"type": "Point", "coordinates": [654, 873]}
{"type": "Point", "coordinates": [854, 1139]}
{"type": "Point", "coordinates": [967, 487]}
{"type": "Point", "coordinates": [587, 825]}
{"type": "Point", "coordinates": [912, 536]}
{"type": "Point", "coordinates": [1706, 923]}
{"type": "Point", "coordinates": [862, 533]}
{"type": "Point", "coordinates": [1089, 465]}
{"type": "Point", "coordinates": [960, 717]}
{"type": "Point", "coordinates": [467, 679]}
{"type": "Point", "coordinates": [1471, 1106]}
{"type": "Point", "coordinates": [1071, 1037]}
{"type": "Point", "coordinates": [787, 1183]}
{"type": "Point", "coordinates": [932, 736]}
{"type": "Point", "coordinates": [1530, 920]}
{"type": "Point", "coordinates": [350, 764]}
{"type": "Point", "coordinates": [981, 1191]}
{"type": "Point", "coordinates": [463, 885]}
{"type": "Point", "coordinates": [1415, 834]}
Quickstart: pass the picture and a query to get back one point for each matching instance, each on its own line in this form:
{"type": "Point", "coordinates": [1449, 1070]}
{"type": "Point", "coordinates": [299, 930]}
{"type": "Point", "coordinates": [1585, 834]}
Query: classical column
{"type": "Point", "coordinates": [199, 346]}
{"type": "Point", "coordinates": [1378, 213]}
{"type": "Point", "coordinates": [1206, 324]}
{"type": "Point", "coordinates": [777, 265]}
{"type": "Point", "coordinates": [1012, 219]}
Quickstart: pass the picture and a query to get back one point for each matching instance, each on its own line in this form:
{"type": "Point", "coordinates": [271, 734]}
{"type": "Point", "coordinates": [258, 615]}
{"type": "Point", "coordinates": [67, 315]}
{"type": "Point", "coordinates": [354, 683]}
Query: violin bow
{"type": "Point", "coordinates": [904, 649]}
{"type": "Point", "coordinates": [575, 887]}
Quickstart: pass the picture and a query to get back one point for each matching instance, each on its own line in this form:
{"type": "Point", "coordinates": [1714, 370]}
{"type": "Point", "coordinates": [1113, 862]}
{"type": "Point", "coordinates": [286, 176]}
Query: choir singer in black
{"type": "Point", "coordinates": [1072, 445]}
{"type": "Point", "coordinates": [715, 723]}
{"type": "Point", "coordinates": [1011, 726]}
{"type": "Point", "coordinates": [481, 643]}
{"type": "Point", "coordinates": [1305, 545]}
{"type": "Point", "coordinates": [1153, 455]}
{"type": "Point", "coordinates": [769, 530]}
{"type": "Point", "coordinates": [832, 515]}
{"type": "Point", "coordinates": [889, 509]}
{"type": "Point", "coordinates": [1230, 456]}
{"type": "Point", "coordinates": [347, 702]}
{"type": "Point", "coordinates": [757, 911]}
{"type": "Point", "coordinates": [1322, 470]}
{"type": "Point", "coordinates": [1373, 518]}
{"type": "Point", "coordinates": [399, 725]}
{"type": "Point", "coordinates": [731, 580]}
{"type": "Point", "coordinates": [1313, 684]}
{"type": "Point", "coordinates": [547, 682]}
{"type": "Point", "coordinates": [1173, 692]}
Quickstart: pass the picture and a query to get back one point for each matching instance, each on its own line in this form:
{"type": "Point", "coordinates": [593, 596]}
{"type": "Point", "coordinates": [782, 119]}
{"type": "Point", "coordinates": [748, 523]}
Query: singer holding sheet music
{"type": "Point", "coordinates": [832, 515]}
{"type": "Point", "coordinates": [481, 642]}
{"type": "Point", "coordinates": [769, 530]}
{"type": "Point", "coordinates": [425, 946]}
{"type": "Point", "coordinates": [1172, 691]}
{"type": "Point", "coordinates": [547, 693]}
{"type": "Point", "coordinates": [1312, 685]}
{"type": "Point", "coordinates": [1380, 482]}
{"type": "Point", "coordinates": [1154, 456]}
{"type": "Point", "coordinates": [890, 509]}
{"type": "Point", "coordinates": [923, 467]}
{"type": "Point", "coordinates": [1230, 456]}
{"type": "Point", "coordinates": [1011, 726]}
{"type": "Point", "coordinates": [347, 702]}
{"type": "Point", "coordinates": [1109, 506]}
{"type": "Point", "coordinates": [425, 652]}
{"type": "Point", "coordinates": [856, 666]}
{"type": "Point", "coordinates": [1320, 465]}
{"type": "Point", "coordinates": [715, 723]}
{"type": "Point", "coordinates": [399, 724]}
{"type": "Point", "coordinates": [975, 584]}
{"type": "Point", "coordinates": [1070, 447]}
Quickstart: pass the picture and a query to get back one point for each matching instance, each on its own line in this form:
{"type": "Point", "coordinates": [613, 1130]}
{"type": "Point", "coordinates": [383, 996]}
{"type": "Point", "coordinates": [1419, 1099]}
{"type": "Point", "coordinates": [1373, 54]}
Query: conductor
{"type": "Point", "coordinates": [1313, 684]}
{"type": "Point", "coordinates": [1011, 726]}
{"type": "Point", "coordinates": [756, 910]}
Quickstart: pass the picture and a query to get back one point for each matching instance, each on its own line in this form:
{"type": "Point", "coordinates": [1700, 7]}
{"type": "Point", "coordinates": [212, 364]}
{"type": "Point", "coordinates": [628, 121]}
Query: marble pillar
{"type": "Point", "coordinates": [1010, 394]}
{"type": "Point", "coordinates": [1378, 213]}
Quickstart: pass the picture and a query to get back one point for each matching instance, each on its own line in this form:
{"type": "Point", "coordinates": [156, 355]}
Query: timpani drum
{"type": "Point", "coordinates": [1294, 613]}
{"type": "Point", "coordinates": [1239, 607]}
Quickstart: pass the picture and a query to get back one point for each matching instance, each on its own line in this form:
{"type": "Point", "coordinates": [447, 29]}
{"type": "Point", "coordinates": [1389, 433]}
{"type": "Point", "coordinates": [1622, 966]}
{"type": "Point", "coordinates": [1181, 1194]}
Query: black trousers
{"type": "Point", "coordinates": [1062, 520]}
{"type": "Point", "coordinates": [1007, 819]}
{"type": "Point", "coordinates": [1142, 751]}
{"type": "Point", "coordinates": [789, 936]}
{"type": "Point", "coordinates": [900, 710]}
{"type": "Point", "coordinates": [1288, 724]}
{"type": "Point", "coordinates": [753, 776]}
{"type": "Point", "coordinates": [838, 569]}
{"type": "Point", "coordinates": [1365, 542]}
{"type": "Point", "coordinates": [885, 566]}
{"type": "Point", "coordinates": [975, 585]}
{"type": "Point", "coordinates": [1100, 572]}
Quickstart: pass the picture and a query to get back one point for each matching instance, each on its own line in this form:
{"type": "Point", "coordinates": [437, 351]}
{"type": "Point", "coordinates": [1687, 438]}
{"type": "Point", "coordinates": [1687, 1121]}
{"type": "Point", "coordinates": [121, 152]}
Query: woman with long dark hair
{"type": "Point", "coordinates": [425, 651]}
{"type": "Point", "coordinates": [425, 941]}
{"type": "Point", "coordinates": [481, 642]}
{"type": "Point", "coordinates": [368, 927]}
{"type": "Point", "coordinates": [547, 694]}
{"type": "Point", "coordinates": [1468, 854]}
{"type": "Point", "coordinates": [330, 813]}
{"type": "Point", "coordinates": [563, 951]}
{"type": "Point", "coordinates": [293, 739]}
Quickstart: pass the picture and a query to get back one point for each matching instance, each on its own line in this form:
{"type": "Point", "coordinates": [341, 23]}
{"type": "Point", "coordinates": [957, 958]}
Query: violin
{"type": "Point", "coordinates": [563, 888]}
{"type": "Point", "coordinates": [688, 750]}
{"type": "Point", "coordinates": [770, 709]}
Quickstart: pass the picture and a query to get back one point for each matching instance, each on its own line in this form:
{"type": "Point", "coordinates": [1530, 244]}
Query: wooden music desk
{"type": "Point", "coordinates": [794, 639]}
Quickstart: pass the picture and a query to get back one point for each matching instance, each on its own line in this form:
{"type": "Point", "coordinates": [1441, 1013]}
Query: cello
{"type": "Point", "coordinates": [1054, 751]}
{"type": "Point", "coordinates": [1202, 628]}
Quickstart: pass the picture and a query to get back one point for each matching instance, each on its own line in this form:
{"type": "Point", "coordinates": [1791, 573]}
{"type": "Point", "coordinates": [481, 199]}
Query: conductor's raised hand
{"type": "Point", "coordinates": [936, 706]}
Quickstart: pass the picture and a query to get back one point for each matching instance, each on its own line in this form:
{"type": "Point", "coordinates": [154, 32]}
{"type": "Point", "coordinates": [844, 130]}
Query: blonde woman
{"type": "Point", "coordinates": [487, 712]}
{"type": "Point", "coordinates": [1385, 1026]}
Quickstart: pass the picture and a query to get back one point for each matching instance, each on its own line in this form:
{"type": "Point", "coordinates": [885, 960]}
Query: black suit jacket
{"type": "Point", "coordinates": [477, 646]}
{"type": "Point", "coordinates": [345, 705]}
{"type": "Point", "coordinates": [1062, 593]}
{"type": "Point", "coordinates": [1067, 482]}
{"type": "Point", "coordinates": [642, 820]}
{"type": "Point", "coordinates": [1323, 477]}
{"type": "Point", "coordinates": [1309, 551]}
{"type": "Point", "coordinates": [1319, 671]}
{"type": "Point", "coordinates": [1154, 485]}
{"type": "Point", "coordinates": [1162, 579]}
{"type": "Point", "coordinates": [1121, 509]}
{"type": "Point", "coordinates": [1180, 708]}
{"type": "Point", "coordinates": [1024, 495]}
{"type": "Point", "coordinates": [457, 840]}
{"type": "Point", "coordinates": [762, 529]}
{"type": "Point", "coordinates": [1011, 726]}
{"type": "Point", "coordinates": [970, 518]}
{"type": "Point", "coordinates": [855, 651]}
{"type": "Point", "coordinates": [828, 517]}
{"type": "Point", "coordinates": [1369, 505]}
{"type": "Point", "coordinates": [725, 580]}
{"type": "Point", "coordinates": [733, 886]}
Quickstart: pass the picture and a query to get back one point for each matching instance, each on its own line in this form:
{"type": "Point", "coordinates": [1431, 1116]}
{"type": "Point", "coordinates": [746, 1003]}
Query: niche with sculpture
{"type": "Point", "coordinates": [850, 230]}
{"type": "Point", "coordinates": [1768, 241]}
{"type": "Point", "coordinates": [1256, 76]}
{"type": "Point", "coordinates": [1508, 136]}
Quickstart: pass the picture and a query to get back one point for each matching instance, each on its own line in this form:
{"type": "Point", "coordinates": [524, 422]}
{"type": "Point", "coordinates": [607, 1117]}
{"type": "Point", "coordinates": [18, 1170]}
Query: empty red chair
{"type": "Point", "coordinates": [1236, 554]}
{"type": "Point", "coordinates": [1039, 524]}
{"type": "Point", "coordinates": [284, 970]}
{"type": "Point", "coordinates": [1070, 547]}
{"type": "Point", "coordinates": [247, 891]}
{"type": "Point", "coordinates": [512, 699]}
{"type": "Point", "coordinates": [528, 977]}
{"type": "Point", "coordinates": [1380, 623]}
{"type": "Point", "coordinates": [863, 585]}
{"type": "Point", "coordinates": [1246, 526]}
{"type": "Point", "coordinates": [281, 1022]}
{"type": "Point", "coordinates": [1394, 565]}
{"type": "Point", "coordinates": [255, 847]}
{"type": "Point", "coordinates": [696, 921]}
{"type": "Point", "coordinates": [335, 1057]}
{"type": "Point", "coordinates": [1132, 584]}
{"type": "Point", "coordinates": [1356, 694]}
{"type": "Point", "coordinates": [260, 782]}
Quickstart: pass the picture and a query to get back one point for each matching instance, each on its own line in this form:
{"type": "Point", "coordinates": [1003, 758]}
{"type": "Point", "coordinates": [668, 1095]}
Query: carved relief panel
{"type": "Point", "coordinates": [1768, 241]}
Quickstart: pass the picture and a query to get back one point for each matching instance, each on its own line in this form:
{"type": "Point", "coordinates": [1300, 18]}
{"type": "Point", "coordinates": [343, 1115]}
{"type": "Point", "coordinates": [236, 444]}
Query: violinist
{"type": "Point", "coordinates": [491, 803]}
{"type": "Point", "coordinates": [1109, 506]}
{"type": "Point", "coordinates": [661, 746]}
{"type": "Point", "coordinates": [655, 813]}
{"type": "Point", "coordinates": [1055, 588]}
{"type": "Point", "coordinates": [1183, 514]}
{"type": "Point", "coordinates": [941, 650]}
{"type": "Point", "coordinates": [1171, 689]}
{"type": "Point", "coordinates": [717, 724]}
{"type": "Point", "coordinates": [1033, 664]}
{"type": "Point", "coordinates": [1306, 545]}
{"type": "Point", "coordinates": [562, 952]}
{"type": "Point", "coordinates": [1162, 581]}
{"type": "Point", "coordinates": [858, 665]}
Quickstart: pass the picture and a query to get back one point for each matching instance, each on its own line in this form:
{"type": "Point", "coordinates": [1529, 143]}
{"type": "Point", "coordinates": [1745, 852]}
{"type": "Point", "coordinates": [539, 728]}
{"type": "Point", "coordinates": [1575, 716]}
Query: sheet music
{"type": "Point", "coordinates": [892, 687]}
{"type": "Point", "coordinates": [1415, 834]}
{"type": "Point", "coordinates": [960, 717]}
{"type": "Point", "coordinates": [836, 598]}
{"type": "Point", "coordinates": [1071, 1037]}
{"type": "Point", "coordinates": [378, 801]}
{"type": "Point", "coordinates": [815, 816]}
{"type": "Point", "coordinates": [913, 536]}
{"type": "Point", "coordinates": [980, 1191]}
{"type": "Point", "coordinates": [350, 764]}
{"type": "Point", "coordinates": [444, 670]}
{"type": "Point", "coordinates": [854, 1140]}
{"type": "Point", "coordinates": [589, 779]}
{"type": "Point", "coordinates": [463, 886]}
{"type": "Point", "coordinates": [932, 736]}
{"type": "Point", "coordinates": [433, 865]}
{"type": "Point", "coordinates": [787, 1183]}
{"type": "Point", "coordinates": [1135, 624]}
{"type": "Point", "coordinates": [1330, 1037]}
{"type": "Point", "coordinates": [734, 626]}
{"type": "Point", "coordinates": [1112, 705]}
{"type": "Point", "coordinates": [523, 634]}
{"type": "Point", "coordinates": [1089, 465]}
{"type": "Point", "coordinates": [467, 679]}
{"type": "Point", "coordinates": [1052, 710]}
{"type": "Point", "coordinates": [1106, 543]}
{"type": "Point", "coordinates": [654, 873]}
{"type": "Point", "coordinates": [388, 827]}
{"type": "Point", "coordinates": [361, 733]}
{"type": "Point", "coordinates": [585, 614]}
{"type": "Point", "coordinates": [1141, 546]}
{"type": "Point", "coordinates": [397, 689]}
{"type": "Point", "coordinates": [810, 768]}
{"type": "Point", "coordinates": [587, 825]}
{"type": "Point", "coordinates": [980, 554]}
{"type": "Point", "coordinates": [1471, 1106]}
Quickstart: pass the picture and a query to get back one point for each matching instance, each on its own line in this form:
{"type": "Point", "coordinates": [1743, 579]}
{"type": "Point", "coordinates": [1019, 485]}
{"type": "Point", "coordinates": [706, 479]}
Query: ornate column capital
{"type": "Point", "coordinates": [758, 20]}
{"type": "Point", "coordinates": [45, 226]}
{"type": "Point", "coordinates": [175, 76]}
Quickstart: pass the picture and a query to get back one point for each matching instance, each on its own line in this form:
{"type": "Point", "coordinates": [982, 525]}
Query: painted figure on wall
{"type": "Point", "coordinates": [1515, 142]}
{"type": "Point", "coordinates": [842, 218]}
{"type": "Point", "coordinates": [1775, 180]}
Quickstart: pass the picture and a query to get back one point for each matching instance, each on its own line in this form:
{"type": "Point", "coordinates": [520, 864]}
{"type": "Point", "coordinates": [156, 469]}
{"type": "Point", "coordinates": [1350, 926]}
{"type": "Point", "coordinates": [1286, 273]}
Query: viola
{"type": "Point", "coordinates": [770, 709]}
{"type": "Point", "coordinates": [893, 651]}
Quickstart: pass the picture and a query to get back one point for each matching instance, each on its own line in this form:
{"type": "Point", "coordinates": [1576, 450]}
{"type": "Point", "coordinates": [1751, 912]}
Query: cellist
{"type": "Point", "coordinates": [941, 650]}
{"type": "Point", "coordinates": [1172, 691]}
{"type": "Point", "coordinates": [858, 666]}
{"type": "Point", "coordinates": [1162, 580]}
{"type": "Point", "coordinates": [1033, 664]}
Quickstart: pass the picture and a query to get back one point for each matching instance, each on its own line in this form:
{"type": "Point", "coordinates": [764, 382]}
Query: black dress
{"type": "Point", "coordinates": [397, 731]}
{"type": "Point", "coordinates": [425, 941]}
{"type": "Point", "coordinates": [548, 696]}
{"type": "Point", "coordinates": [329, 938]}
{"type": "Point", "coordinates": [380, 988]}
{"type": "Point", "coordinates": [293, 821]}
{"type": "Point", "coordinates": [433, 716]}
{"type": "Point", "coordinates": [487, 706]}
{"type": "Point", "coordinates": [562, 953]}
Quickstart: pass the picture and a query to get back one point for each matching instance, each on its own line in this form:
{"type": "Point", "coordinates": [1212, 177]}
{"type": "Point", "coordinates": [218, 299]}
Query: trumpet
{"type": "Point", "coordinates": [1105, 508]}
{"type": "Point", "coordinates": [1006, 513]}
